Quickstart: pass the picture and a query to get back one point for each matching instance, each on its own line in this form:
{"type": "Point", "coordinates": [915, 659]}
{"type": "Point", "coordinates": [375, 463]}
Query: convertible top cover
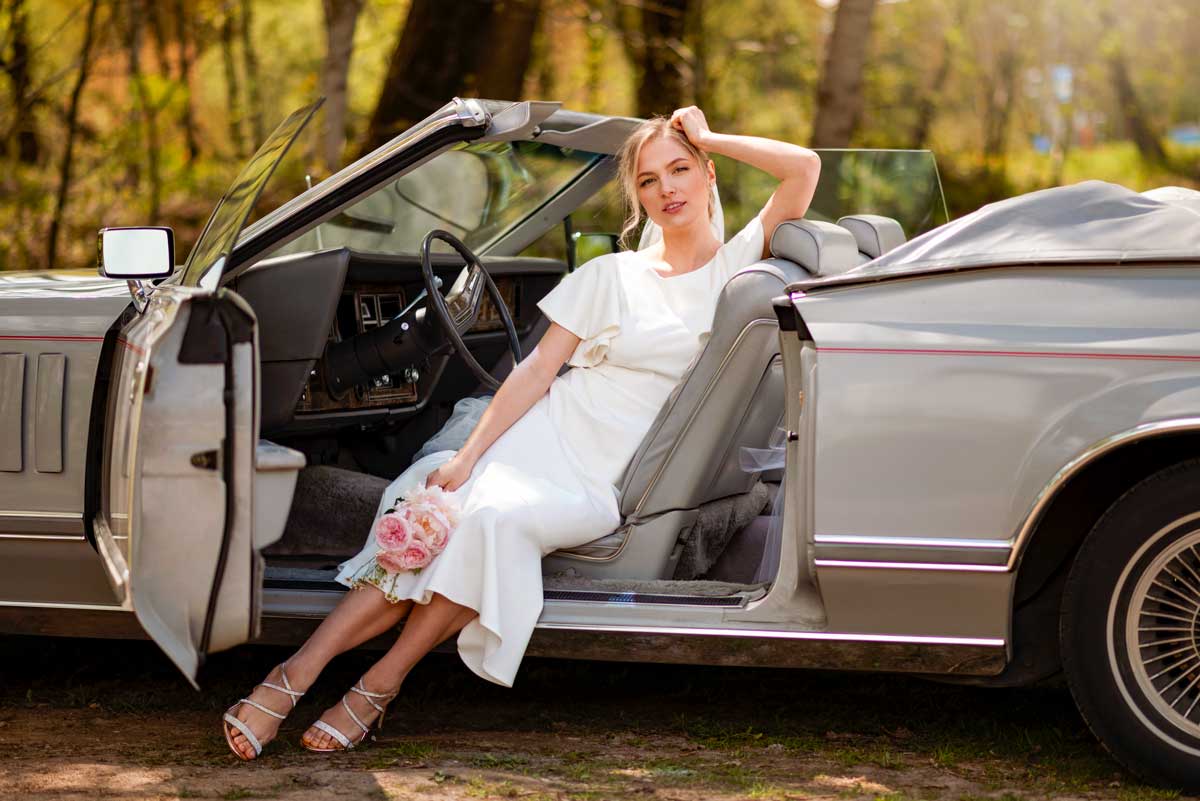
{"type": "Point", "coordinates": [1089, 222]}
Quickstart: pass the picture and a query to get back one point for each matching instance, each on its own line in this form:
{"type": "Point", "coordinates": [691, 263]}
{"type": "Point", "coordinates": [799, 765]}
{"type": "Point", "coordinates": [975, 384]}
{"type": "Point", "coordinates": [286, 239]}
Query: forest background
{"type": "Point", "coordinates": [139, 112]}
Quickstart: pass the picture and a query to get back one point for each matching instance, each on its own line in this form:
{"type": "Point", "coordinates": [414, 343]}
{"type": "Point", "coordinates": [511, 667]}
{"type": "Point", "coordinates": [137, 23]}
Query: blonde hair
{"type": "Point", "coordinates": [627, 162]}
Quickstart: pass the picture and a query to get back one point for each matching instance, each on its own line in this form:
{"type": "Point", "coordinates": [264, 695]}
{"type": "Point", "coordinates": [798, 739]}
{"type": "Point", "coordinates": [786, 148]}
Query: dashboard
{"type": "Point", "coordinates": [306, 301]}
{"type": "Point", "coordinates": [367, 307]}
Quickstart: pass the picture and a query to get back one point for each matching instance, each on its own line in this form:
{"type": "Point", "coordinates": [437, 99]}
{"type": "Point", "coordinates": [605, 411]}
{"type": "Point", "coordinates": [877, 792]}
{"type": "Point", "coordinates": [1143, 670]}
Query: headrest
{"type": "Point", "coordinates": [874, 233]}
{"type": "Point", "coordinates": [822, 248]}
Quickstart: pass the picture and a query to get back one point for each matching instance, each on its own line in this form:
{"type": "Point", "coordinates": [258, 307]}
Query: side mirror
{"type": "Point", "coordinates": [136, 253]}
{"type": "Point", "coordinates": [589, 246]}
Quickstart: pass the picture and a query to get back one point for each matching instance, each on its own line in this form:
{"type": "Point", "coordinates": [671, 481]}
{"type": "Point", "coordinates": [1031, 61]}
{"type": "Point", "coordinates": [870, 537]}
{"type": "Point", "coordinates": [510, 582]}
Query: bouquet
{"type": "Point", "coordinates": [415, 529]}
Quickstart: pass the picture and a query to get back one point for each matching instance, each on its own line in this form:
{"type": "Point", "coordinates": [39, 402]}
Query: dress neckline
{"type": "Point", "coordinates": [701, 268]}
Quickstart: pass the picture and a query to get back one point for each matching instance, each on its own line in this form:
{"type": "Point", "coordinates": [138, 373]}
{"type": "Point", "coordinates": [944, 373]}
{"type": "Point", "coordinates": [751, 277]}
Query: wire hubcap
{"type": "Point", "coordinates": [1162, 633]}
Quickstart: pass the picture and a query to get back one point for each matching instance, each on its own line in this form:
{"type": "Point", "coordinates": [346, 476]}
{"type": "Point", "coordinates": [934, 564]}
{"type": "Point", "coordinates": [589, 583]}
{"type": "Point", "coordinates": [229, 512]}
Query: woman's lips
{"type": "Point", "coordinates": [673, 208]}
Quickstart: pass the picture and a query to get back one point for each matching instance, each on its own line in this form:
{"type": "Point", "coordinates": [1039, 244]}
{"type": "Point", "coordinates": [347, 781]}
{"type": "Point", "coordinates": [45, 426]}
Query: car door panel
{"type": "Point", "coordinates": [176, 526]}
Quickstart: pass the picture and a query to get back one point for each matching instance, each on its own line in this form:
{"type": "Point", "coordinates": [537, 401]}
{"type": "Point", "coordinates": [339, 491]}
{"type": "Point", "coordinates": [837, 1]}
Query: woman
{"type": "Point", "coordinates": [539, 470]}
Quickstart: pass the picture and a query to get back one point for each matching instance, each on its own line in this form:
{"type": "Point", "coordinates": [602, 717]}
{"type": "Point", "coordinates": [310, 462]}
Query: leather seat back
{"type": "Point", "coordinates": [731, 397]}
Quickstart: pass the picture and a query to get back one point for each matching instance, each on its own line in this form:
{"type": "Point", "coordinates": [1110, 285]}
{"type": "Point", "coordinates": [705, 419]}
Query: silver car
{"type": "Point", "coordinates": [971, 455]}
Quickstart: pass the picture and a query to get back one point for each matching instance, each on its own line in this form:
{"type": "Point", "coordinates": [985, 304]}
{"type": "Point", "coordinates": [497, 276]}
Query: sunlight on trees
{"type": "Point", "coordinates": [148, 122]}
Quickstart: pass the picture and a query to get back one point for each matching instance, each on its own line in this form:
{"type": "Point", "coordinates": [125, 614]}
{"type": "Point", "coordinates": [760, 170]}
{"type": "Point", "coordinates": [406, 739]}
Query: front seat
{"type": "Point", "coordinates": [731, 397]}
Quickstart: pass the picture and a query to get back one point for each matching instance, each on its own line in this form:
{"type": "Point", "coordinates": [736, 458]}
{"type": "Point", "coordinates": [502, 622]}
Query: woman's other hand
{"type": "Point", "coordinates": [691, 121]}
{"type": "Point", "coordinates": [451, 475]}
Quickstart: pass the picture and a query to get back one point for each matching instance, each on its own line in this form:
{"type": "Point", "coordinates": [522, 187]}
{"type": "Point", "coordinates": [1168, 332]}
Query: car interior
{"type": "Point", "coordinates": [357, 372]}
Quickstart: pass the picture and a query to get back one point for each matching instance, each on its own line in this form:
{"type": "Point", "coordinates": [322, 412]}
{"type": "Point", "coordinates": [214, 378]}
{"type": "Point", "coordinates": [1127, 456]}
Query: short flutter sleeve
{"type": "Point", "coordinates": [587, 302]}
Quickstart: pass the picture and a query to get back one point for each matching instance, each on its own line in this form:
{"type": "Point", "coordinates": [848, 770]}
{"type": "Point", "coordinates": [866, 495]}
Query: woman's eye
{"type": "Point", "coordinates": [646, 182]}
{"type": "Point", "coordinates": [681, 168]}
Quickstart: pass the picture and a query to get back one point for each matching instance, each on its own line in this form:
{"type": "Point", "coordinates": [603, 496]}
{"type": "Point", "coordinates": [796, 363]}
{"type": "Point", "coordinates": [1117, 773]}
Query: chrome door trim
{"type": "Point", "coordinates": [45, 537]}
{"type": "Point", "coordinates": [1094, 451]}
{"type": "Point", "coordinates": [52, 605]}
{"type": "Point", "coordinates": [16, 523]}
{"type": "Point", "coordinates": [910, 542]}
{"type": "Point", "coordinates": [853, 548]}
{"type": "Point", "coordinates": [911, 566]}
{"type": "Point", "coordinates": [916, 639]}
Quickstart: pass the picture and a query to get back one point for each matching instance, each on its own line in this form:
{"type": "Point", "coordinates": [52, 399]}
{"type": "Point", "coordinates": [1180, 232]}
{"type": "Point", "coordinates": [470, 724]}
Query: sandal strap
{"type": "Point", "coordinates": [263, 709]}
{"type": "Point", "coordinates": [365, 728]}
{"type": "Point", "coordinates": [334, 733]}
{"type": "Point", "coordinates": [245, 730]}
{"type": "Point", "coordinates": [292, 695]}
{"type": "Point", "coordinates": [370, 696]}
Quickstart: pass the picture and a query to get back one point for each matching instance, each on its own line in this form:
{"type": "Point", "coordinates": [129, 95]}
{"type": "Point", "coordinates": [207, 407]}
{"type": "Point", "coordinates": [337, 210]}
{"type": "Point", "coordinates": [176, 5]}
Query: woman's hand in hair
{"type": "Point", "coordinates": [691, 121]}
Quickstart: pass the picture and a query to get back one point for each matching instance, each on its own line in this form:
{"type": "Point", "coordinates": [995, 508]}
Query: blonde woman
{"type": "Point", "coordinates": [539, 470]}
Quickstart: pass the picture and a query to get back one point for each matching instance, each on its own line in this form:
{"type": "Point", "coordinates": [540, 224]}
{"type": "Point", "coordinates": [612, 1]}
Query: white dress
{"type": "Point", "coordinates": [549, 481]}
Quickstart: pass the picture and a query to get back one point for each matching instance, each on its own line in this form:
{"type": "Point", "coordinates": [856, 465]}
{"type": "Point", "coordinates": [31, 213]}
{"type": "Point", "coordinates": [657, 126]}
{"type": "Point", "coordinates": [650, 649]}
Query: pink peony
{"type": "Point", "coordinates": [390, 561]}
{"type": "Point", "coordinates": [415, 556]}
{"type": "Point", "coordinates": [394, 531]}
{"type": "Point", "coordinates": [416, 531]}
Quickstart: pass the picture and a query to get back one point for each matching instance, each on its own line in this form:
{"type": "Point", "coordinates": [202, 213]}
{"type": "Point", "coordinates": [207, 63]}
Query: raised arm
{"type": "Point", "coordinates": [797, 168]}
{"type": "Point", "coordinates": [528, 381]}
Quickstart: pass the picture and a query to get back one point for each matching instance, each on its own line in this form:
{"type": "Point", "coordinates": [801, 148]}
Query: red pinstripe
{"type": "Point", "coordinates": [1019, 353]}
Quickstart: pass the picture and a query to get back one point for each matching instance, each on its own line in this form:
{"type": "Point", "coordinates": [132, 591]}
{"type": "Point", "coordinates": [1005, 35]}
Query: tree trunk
{"type": "Point", "coordinates": [425, 71]}
{"type": "Point", "coordinates": [250, 76]}
{"type": "Point", "coordinates": [839, 94]}
{"type": "Point", "coordinates": [64, 175]}
{"type": "Point", "coordinates": [927, 106]}
{"type": "Point", "coordinates": [232, 87]}
{"type": "Point", "coordinates": [148, 111]}
{"type": "Point", "coordinates": [594, 29]}
{"type": "Point", "coordinates": [1136, 124]}
{"type": "Point", "coordinates": [1000, 94]}
{"type": "Point", "coordinates": [187, 119]}
{"type": "Point", "coordinates": [23, 137]}
{"type": "Point", "coordinates": [662, 85]}
{"type": "Point", "coordinates": [341, 17]}
{"type": "Point", "coordinates": [502, 62]}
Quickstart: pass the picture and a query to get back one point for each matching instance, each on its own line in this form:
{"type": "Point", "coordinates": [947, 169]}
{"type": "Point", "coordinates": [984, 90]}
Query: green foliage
{"type": "Point", "coordinates": [970, 79]}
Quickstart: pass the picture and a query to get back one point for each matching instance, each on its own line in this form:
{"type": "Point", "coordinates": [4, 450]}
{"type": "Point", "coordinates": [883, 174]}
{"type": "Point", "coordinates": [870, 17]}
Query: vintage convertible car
{"type": "Point", "coordinates": [987, 467]}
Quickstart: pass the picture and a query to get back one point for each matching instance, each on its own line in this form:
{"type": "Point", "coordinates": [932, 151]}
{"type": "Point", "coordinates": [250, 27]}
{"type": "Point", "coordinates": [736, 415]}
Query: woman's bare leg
{"type": "Point", "coordinates": [360, 615]}
{"type": "Point", "coordinates": [427, 626]}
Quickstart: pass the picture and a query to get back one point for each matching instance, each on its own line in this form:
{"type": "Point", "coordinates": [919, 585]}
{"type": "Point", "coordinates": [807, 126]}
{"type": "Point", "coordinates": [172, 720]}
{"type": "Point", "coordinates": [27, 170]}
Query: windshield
{"type": "Point", "coordinates": [476, 191]}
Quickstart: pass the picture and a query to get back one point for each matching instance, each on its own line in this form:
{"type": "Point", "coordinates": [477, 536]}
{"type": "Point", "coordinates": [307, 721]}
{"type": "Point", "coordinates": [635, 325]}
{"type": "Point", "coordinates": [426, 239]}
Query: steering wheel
{"type": "Point", "coordinates": [459, 309]}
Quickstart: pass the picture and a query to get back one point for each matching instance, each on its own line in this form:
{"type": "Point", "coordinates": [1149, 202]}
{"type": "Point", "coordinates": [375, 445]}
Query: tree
{"type": "Point", "coordinates": [502, 73]}
{"type": "Point", "coordinates": [424, 72]}
{"type": "Point", "coordinates": [655, 36]}
{"type": "Point", "coordinates": [1129, 104]}
{"type": "Point", "coordinates": [64, 176]}
{"type": "Point", "coordinates": [23, 136]}
{"type": "Point", "coordinates": [839, 94]}
{"type": "Point", "coordinates": [341, 17]}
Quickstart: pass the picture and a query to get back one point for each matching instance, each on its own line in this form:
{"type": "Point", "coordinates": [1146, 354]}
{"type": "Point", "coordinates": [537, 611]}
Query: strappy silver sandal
{"type": "Point", "coordinates": [231, 722]}
{"type": "Point", "coordinates": [345, 742]}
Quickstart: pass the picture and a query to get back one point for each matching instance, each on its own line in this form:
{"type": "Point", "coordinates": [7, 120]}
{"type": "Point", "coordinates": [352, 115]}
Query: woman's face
{"type": "Point", "coordinates": [671, 186]}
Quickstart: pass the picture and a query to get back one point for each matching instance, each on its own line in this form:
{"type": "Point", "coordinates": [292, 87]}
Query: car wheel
{"type": "Point", "coordinates": [1130, 628]}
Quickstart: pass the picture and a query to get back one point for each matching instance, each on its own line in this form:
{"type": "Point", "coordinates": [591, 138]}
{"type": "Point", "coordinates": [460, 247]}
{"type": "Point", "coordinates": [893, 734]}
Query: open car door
{"type": "Point", "coordinates": [178, 527]}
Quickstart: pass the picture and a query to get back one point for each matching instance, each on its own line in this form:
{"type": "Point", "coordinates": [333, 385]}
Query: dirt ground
{"type": "Point", "coordinates": [85, 719]}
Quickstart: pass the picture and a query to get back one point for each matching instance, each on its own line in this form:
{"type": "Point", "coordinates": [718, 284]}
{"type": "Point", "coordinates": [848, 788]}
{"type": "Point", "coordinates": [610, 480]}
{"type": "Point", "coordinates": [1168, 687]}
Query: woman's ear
{"type": "Point", "coordinates": [712, 172]}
